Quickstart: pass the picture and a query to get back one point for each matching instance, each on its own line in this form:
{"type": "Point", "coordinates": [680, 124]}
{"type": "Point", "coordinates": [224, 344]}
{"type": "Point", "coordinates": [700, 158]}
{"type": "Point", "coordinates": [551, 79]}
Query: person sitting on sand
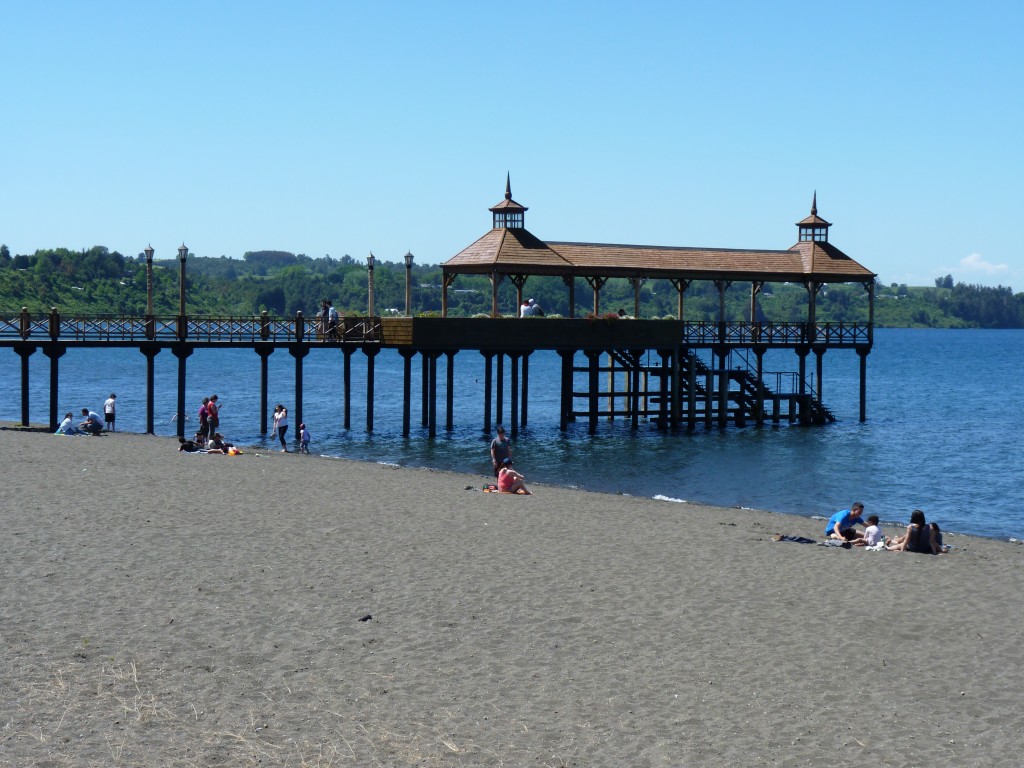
{"type": "Point", "coordinates": [217, 444]}
{"type": "Point", "coordinates": [93, 424]}
{"type": "Point", "coordinates": [840, 525]}
{"type": "Point", "coordinates": [919, 537]}
{"type": "Point", "coordinates": [188, 446]}
{"type": "Point", "coordinates": [872, 535]}
{"type": "Point", "coordinates": [67, 427]}
{"type": "Point", "coordinates": [200, 439]}
{"type": "Point", "coordinates": [510, 481]}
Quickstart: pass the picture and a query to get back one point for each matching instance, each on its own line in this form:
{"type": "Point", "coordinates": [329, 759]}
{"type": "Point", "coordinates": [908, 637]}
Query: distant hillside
{"type": "Point", "coordinates": [100, 281]}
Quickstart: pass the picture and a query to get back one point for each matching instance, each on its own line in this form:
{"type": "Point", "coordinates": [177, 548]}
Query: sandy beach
{"type": "Point", "coordinates": [160, 608]}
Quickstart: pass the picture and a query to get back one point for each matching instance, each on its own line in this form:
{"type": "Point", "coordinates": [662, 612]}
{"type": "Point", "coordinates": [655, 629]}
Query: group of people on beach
{"type": "Point", "coordinates": [208, 438]}
{"type": "Point", "coordinates": [920, 536]}
{"type": "Point", "coordinates": [91, 423]}
{"type": "Point", "coordinates": [509, 480]}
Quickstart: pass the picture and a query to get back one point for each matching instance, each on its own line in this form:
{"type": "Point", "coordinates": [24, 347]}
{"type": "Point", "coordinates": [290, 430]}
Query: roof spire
{"type": "Point", "coordinates": [814, 204]}
{"type": "Point", "coordinates": [508, 185]}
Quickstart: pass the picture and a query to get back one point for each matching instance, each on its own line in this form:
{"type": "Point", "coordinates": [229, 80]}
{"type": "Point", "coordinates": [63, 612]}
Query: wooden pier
{"type": "Point", "coordinates": [617, 379]}
{"type": "Point", "coordinates": [677, 390]}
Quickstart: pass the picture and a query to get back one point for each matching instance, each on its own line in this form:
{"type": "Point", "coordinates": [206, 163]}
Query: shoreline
{"type": "Point", "coordinates": [162, 608]}
{"type": "Point", "coordinates": [892, 527]}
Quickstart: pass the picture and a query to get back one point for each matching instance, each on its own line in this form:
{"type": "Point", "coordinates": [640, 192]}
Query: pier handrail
{"type": "Point", "coordinates": [216, 329]}
{"type": "Point", "coordinates": [709, 332]}
{"type": "Point", "coordinates": [168, 328]}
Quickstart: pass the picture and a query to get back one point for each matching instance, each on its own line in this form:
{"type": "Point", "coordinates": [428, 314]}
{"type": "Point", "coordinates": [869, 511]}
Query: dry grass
{"type": "Point", "coordinates": [116, 713]}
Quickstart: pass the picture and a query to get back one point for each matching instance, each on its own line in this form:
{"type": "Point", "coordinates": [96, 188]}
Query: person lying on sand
{"type": "Point", "coordinates": [510, 481]}
{"type": "Point", "coordinates": [188, 446]}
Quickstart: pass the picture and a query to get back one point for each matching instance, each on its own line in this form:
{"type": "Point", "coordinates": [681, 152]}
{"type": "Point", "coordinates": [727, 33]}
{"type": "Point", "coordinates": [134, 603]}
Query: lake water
{"type": "Point", "coordinates": [943, 406]}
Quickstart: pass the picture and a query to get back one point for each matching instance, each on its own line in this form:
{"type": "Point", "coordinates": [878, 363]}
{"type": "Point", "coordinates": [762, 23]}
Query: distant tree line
{"type": "Point", "coordinates": [100, 281]}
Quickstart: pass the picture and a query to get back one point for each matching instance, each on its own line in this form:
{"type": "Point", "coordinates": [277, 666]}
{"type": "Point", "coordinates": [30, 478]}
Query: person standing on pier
{"type": "Point", "coordinates": [332, 320]}
{"type": "Point", "coordinates": [109, 407]}
{"type": "Point", "coordinates": [501, 449]}
{"type": "Point", "coordinates": [323, 316]}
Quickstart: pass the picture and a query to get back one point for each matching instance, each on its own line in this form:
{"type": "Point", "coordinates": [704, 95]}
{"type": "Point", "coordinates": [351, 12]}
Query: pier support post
{"type": "Point", "coordinates": [819, 353]}
{"type": "Point", "coordinates": [862, 353]}
{"type": "Point", "coordinates": [182, 352]}
{"type": "Point", "coordinates": [298, 351]}
{"type": "Point", "coordinates": [488, 362]}
{"type": "Point", "coordinates": [526, 389]}
{"type": "Point", "coordinates": [424, 389]}
{"type": "Point", "coordinates": [449, 414]}
{"type": "Point", "coordinates": [759, 351]}
{"type": "Point", "coordinates": [663, 409]}
{"type": "Point", "coordinates": [346, 383]}
{"type": "Point", "coordinates": [264, 353]}
{"type": "Point", "coordinates": [499, 388]}
{"type": "Point", "coordinates": [24, 352]}
{"type": "Point", "coordinates": [803, 409]}
{"type": "Point", "coordinates": [565, 397]}
{"type": "Point", "coordinates": [432, 395]}
{"type": "Point", "coordinates": [407, 355]}
{"type": "Point", "coordinates": [513, 397]}
{"type": "Point", "coordinates": [150, 351]}
{"type": "Point", "coordinates": [722, 352]}
{"type": "Point", "coordinates": [593, 386]}
{"type": "Point", "coordinates": [54, 352]}
{"type": "Point", "coordinates": [371, 356]}
{"type": "Point", "coordinates": [635, 356]}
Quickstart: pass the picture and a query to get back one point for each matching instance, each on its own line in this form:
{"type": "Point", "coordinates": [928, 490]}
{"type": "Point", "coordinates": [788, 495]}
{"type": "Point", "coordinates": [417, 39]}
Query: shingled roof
{"type": "Point", "coordinates": [517, 251]}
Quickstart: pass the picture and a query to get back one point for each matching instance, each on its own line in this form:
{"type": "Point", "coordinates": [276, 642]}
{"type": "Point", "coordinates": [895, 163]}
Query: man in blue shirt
{"type": "Point", "coordinates": [840, 525]}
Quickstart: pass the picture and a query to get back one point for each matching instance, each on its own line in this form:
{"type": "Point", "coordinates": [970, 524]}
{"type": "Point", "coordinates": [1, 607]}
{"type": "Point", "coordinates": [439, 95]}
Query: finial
{"type": "Point", "coordinates": [814, 204]}
{"type": "Point", "coordinates": [508, 185]}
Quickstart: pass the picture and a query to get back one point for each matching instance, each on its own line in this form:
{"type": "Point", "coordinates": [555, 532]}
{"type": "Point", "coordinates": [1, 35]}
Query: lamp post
{"type": "Point", "coordinates": [369, 266]}
{"type": "Point", "coordinates": [149, 280]}
{"type": "Point", "coordinates": [182, 253]}
{"type": "Point", "coordinates": [408, 284]}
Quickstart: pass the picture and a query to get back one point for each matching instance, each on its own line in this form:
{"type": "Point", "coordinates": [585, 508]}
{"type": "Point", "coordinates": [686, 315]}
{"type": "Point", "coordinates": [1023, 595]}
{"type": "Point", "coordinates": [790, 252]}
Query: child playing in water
{"type": "Point", "coordinates": [303, 439]}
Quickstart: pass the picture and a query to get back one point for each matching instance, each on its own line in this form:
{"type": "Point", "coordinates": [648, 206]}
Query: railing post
{"type": "Point", "coordinates": [150, 325]}
{"type": "Point", "coordinates": [26, 322]}
{"type": "Point", "coordinates": [299, 325]}
{"type": "Point", "coordinates": [264, 327]}
{"type": "Point", "coordinates": [182, 322]}
{"type": "Point", "coordinates": [54, 323]}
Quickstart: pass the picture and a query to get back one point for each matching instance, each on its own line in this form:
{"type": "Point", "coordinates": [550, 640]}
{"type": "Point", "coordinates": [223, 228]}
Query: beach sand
{"type": "Point", "coordinates": [159, 609]}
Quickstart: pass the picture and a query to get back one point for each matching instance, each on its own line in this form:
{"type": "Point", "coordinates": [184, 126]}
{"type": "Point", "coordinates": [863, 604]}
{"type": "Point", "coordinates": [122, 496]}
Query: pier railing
{"type": "Point", "coordinates": [427, 332]}
{"type": "Point", "coordinates": [168, 328]}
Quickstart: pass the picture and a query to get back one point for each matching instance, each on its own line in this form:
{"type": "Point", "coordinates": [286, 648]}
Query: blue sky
{"type": "Point", "coordinates": [336, 127]}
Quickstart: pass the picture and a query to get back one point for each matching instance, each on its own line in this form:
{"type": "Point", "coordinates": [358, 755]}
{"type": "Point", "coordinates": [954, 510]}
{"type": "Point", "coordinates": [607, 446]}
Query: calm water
{"type": "Point", "coordinates": [943, 425]}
